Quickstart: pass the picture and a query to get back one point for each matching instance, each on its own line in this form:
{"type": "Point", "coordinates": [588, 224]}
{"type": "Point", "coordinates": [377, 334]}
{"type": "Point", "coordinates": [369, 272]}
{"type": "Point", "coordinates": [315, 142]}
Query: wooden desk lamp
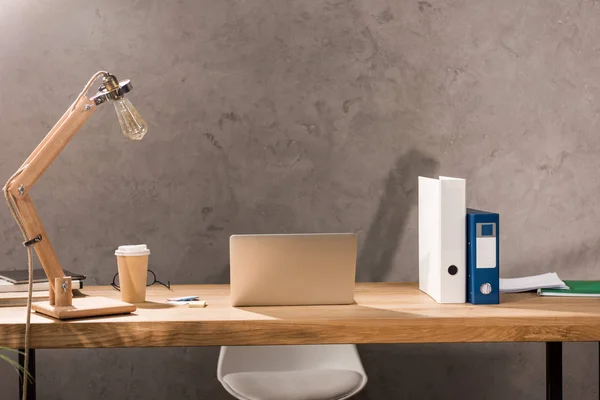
{"type": "Point", "coordinates": [61, 305]}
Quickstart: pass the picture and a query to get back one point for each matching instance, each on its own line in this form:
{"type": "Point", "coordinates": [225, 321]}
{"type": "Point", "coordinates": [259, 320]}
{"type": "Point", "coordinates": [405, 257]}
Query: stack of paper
{"type": "Point", "coordinates": [18, 280]}
{"type": "Point", "coordinates": [7, 287]}
{"type": "Point", "coordinates": [16, 299]}
{"type": "Point", "coordinates": [527, 283]}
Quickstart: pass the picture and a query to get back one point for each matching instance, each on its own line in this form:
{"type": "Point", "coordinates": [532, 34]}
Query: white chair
{"type": "Point", "coordinates": [307, 372]}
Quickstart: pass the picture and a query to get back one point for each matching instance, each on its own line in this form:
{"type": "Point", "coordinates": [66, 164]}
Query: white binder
{"type": "Point", "coordinates": [442, 239]}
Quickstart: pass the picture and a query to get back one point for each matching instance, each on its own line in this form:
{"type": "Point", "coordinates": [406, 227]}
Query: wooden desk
{"type": "Point", "coordinates": [383, 313]}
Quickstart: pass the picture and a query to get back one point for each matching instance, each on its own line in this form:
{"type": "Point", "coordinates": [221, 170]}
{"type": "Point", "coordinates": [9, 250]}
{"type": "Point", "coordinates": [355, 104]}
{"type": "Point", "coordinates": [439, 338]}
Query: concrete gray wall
{"type": "Point", "coordinates": [308, 116]}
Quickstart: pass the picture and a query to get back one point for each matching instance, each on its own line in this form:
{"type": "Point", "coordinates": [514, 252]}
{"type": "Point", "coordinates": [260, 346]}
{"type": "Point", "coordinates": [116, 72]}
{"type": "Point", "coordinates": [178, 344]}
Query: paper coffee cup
{"type": "Point", "coordinates": [132, 262]}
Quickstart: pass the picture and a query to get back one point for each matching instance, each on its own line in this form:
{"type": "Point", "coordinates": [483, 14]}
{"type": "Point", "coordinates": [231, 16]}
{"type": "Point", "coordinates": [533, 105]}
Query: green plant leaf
{"type": "Point", "coordinates": [13, 363]}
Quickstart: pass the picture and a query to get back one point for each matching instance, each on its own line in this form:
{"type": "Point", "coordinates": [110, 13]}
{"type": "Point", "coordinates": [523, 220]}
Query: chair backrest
{"type": "Point", "coordinates": [234, 359]}
{"type": "Point", "coordinates": [257, 359]}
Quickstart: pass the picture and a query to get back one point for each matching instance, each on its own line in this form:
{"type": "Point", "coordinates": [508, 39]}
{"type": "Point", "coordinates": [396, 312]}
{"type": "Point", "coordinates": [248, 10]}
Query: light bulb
{"type": "Point", "coordinates": [132, 124]}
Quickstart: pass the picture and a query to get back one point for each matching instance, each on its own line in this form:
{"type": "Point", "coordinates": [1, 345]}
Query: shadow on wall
{"type": "Point", "coordinates": [383, 236]}
{"type": "Point", "coordinates": [435, 372]}
{"type": "Point", "coordinates": [400, 195]}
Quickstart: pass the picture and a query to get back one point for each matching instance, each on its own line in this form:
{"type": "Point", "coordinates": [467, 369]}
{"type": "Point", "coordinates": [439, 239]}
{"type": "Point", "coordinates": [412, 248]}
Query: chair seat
{"type": "Point", "coordinates": [326, 384]}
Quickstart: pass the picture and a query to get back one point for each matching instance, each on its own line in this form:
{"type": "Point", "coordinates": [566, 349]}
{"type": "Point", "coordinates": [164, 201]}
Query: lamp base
{"type": "Point", "coordinates": [85, 307]}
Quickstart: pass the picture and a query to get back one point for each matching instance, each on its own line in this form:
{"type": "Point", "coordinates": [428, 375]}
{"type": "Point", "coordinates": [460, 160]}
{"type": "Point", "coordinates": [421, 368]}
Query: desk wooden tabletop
{"type": "Point", "coordinates": [383, 313]}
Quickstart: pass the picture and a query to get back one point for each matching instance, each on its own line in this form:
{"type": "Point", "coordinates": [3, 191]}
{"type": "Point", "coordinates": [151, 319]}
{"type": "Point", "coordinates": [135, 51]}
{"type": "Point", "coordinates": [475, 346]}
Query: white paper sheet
{"type": "Point", "coordinates": [527, 283]}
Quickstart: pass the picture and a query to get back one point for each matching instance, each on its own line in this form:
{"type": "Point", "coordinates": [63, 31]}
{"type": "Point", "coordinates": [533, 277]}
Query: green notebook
{"type": "Point", "coordinates": [576, 289]}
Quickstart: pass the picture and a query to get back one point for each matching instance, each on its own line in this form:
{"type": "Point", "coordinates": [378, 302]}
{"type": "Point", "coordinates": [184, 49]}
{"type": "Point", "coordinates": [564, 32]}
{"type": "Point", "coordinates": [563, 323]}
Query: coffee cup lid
{"type": "Point", "coordinates": [132, 250]}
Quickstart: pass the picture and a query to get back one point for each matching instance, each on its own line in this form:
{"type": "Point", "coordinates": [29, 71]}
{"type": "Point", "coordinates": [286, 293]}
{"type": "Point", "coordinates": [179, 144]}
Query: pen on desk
{"type": "Point", "coordinates": [197, 304]}
{"type": "Point", "coordinates": [185, 298]}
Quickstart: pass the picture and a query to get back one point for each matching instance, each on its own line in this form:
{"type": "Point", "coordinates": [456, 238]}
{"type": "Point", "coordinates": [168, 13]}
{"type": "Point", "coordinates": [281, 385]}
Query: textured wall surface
{"type": "Point", "coordinates": [308, 116]}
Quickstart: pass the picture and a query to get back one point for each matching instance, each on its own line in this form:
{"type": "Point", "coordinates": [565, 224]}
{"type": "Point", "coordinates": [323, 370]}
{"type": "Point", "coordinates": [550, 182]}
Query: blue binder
{"type": "Point", "coordinates": [483, 257]}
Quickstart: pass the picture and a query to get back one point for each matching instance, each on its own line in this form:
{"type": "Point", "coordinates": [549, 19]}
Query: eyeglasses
{"type": "Point", "coordinates": [151, 278]}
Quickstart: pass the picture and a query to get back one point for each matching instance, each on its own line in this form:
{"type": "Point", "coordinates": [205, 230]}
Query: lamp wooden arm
{"type": "Point", "coordinates": [33, 168]}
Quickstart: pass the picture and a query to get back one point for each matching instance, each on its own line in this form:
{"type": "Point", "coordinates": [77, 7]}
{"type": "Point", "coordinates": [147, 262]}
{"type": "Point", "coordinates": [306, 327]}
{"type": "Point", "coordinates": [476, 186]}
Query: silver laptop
{"type": "Point", "coordinates": [292, 269]}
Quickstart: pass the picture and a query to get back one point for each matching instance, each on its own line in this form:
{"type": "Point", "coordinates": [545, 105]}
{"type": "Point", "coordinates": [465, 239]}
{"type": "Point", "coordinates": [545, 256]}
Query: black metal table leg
{"type": "Point", "coordinates": [554, 371]}
{"type": "Point", "coordinates": [31, 369]}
